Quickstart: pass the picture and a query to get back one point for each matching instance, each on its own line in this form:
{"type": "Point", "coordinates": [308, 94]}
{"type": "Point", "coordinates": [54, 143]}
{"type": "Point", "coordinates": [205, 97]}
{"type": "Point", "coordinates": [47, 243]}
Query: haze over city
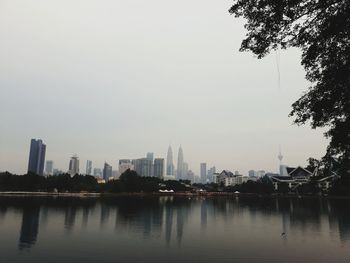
{"type": "Point", "coordinates": [110, 80]}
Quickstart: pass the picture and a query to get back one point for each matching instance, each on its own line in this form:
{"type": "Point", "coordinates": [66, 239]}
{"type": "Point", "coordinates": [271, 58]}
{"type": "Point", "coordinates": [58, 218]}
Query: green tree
{"type": "Point", "coordinates": [321, 29]}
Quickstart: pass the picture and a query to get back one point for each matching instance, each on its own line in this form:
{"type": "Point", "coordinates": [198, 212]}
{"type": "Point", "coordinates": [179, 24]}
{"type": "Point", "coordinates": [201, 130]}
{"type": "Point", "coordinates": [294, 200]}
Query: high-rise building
{"type": "Point", "coordinates": [180, 164]}
{"type": "Point", "coordinates": [210, 175]}
{"type": "Point", "coordinates": [88, 167]}
{"type": "Point", "coordinates": [107, 172]}
{"type": "Point", "coordinates": [159, 167]}
{"type": "Point", "coordinates": [73, 165]}
{"type": "Point", "coordinates": [97, 172]}
{"type": "Point", "coordinates": [143, 166]}
{"type": "Point", "coordinates": [36, 157]}
{"type": "Point", "coordinates": [149, 156]}
{"type": "Point", "coordinates": [251, 173]}
{"type": "Point", "coordinates": [49, 167]}
{"type": "Point", "coordinates": [124, 165]}
{"type": "Point", "coordinates": [203, 172]}
{"type": "Point", "coordinates": [185, 171]}
{"type": "Point", "coordinates": [169, 162]}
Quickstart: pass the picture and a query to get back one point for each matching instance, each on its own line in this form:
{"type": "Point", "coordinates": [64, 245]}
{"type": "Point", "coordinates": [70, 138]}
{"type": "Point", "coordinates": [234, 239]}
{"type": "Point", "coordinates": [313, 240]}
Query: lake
{"type": "Point", "coordinates": [174, 229]}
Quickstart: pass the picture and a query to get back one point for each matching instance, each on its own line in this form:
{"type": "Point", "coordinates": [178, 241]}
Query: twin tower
{"type": "Point", "coordinates": [182, 167]}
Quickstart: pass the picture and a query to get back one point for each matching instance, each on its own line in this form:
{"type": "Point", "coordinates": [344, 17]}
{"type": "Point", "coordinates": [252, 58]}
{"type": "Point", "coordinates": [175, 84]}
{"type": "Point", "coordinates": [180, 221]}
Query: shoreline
{"type": "Point", "coordinates": [178, 194]}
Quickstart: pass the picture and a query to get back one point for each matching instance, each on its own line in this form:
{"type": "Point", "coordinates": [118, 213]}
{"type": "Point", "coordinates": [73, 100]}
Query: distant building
{"type": "Point", "coordinates": [169, 162]}
{"type": "Point", "coordinates": [49, 167]}
{"type": "Point", "coordinates": [143, 166]}
{"type": "Point", "coordinates": [211, 173]}
{"type": "Point", "coordinates": [185, 171]}
{"type": "Point", "coordinates": [298, 176]}
{"type": "Point", "coordinates": [227, 178]}
{"type": "Point", "coordinates": [191, 176]}
{"type": "Point", "coordinates": [251, 173]}
{"type": "Point", "coordinates": [107, 172]}
{"type": "Point", "coordinates": [97, 172]}
{"type": "Point", "coordinates": [73, 165]}
{"type": "Point", "coordinates": [149, 156]}
{"type": "Point", "coordinates": [283, 170]}
{"type": "Point", "coordinates": [180, 164]}
{"type": "Point", "coordinates": [203, 172]}
{"type": "Point", "coordinates": [260, 173]}
{"type": "Point", "coordinates": [125, 164]}
{"type": "Point", "coordinates": [36, 157]}
{"type": "Point", "coordinates": [115, 174]}
{"type": "Point", "coordinates": [57, 172]}
{"type": "Point", "coordinates": [159, 167]}
{"type": "Point", "coordinates": [88, 167]}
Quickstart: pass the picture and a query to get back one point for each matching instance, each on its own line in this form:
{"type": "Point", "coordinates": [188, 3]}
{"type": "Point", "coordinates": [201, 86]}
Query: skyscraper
{"type": "Point", "coordinates": [49, 167]}
{"type": "Point", "coordinates": [185, 171]}
{"type": "Point", "coordinates": [36, 157]}
{"type": "Point", "coordinates": [203, 172]}
{"type": "Point", "coordinates": [180, 164]}
{"type": "Point", "coordinates": [210, 175]}
{"type": "Point", "coordinates": [107, 172]}
{"type": "Point", "coordinates": [73, 165]}
{"type": "Point", "coordinates": [88, 167]}
{"type": "Point", "coordinates": [169, 162]}
{"type": "Point", "coordinates": [143, 166]}
{"type": "Point", "coordinates": [124, 165]}
{"type": "Point", "coordinates": [159, 167]}
{"type": "Point", "coordinates": [149, 156]}
{"type": "Point", "coordinates": [97, 172]}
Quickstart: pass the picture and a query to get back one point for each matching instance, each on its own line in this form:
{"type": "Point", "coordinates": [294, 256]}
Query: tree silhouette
{"type": "Point", "coordinates": [321, 29]}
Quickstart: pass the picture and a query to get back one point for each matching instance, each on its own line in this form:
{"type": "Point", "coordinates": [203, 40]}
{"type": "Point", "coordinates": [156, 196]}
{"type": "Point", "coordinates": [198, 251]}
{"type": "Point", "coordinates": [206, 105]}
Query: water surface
{"type": "Point", "coordinates": [172, 229]}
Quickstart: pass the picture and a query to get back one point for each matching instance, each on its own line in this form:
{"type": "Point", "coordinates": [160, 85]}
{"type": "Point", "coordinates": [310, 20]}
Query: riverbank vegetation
{"type": "Point", "coordinates": [131, 182]}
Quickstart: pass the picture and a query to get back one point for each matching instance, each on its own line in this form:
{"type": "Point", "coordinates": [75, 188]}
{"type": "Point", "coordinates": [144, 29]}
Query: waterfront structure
{"type": "Point", "coordinates": [36, 157]}
{"type": "Point", "coordinates": [298, 176]}
{"type": "Point", "coordinates": [107, 172]}
{"type": "Point", "coordinates": [125, 164]}
{"type": "Point", "coordinates": [159, 167]}
{"type": "Point", "coordinates": [49, 167]}
{"type": "Point", "coordinates": [73, 165]}
{"type": "Point", "coordinates": [203, 172]}
{"type": "Point", "coordinates": [143, 166]}
{"type": "Point", "coordinates": [88, 170]}
{"type": "Point", "coordinates": [227, 178]}
{"type": "Point", "coordinates": [169, 163]}
{"type": "Point", "coordinates": [180, 164]}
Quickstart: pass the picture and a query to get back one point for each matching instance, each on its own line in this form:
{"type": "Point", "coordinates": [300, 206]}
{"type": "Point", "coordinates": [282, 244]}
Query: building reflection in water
{"type": "Point", "coordinates": [69, 218]}
{"type": "Point", "coordinates": [29, 227]}
{"type": "Point", "coordinates": [161, 218]}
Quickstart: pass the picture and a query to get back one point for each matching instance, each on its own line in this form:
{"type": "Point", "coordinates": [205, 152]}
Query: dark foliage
{"type": "Point", "coordinates": [61, 183]}
{"type": "Point", "coordinates": [259, 187]}
{"type": "Point", "coordinates": [321, 29]}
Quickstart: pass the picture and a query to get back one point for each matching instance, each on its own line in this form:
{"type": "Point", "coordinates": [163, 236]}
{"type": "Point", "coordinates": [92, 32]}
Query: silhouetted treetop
{"type": "Point", "coordinates": [321, 29]}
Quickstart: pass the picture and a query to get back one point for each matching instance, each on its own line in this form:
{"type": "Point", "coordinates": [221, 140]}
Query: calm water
{"type": "Point", "coordinates": [167, 229]}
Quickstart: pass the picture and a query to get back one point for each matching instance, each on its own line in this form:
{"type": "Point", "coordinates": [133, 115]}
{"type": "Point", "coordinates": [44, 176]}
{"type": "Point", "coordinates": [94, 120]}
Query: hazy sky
{"type": "Point", "coordinates": [112, 79]}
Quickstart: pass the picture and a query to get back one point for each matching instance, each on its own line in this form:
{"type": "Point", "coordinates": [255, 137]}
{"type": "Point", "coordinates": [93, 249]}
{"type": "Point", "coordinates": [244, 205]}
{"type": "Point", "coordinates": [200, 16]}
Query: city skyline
{"type": "Point", "coordinates": [129, 84]}
{"type": "Point", "coordinates": [135, 164]}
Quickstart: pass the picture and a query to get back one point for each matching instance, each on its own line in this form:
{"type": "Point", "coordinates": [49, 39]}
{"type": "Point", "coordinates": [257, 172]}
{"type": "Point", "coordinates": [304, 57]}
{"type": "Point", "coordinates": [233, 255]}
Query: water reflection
{"type": "Point", "coordinates": [172, 219]}
{"type": "Point", "coordinates": [30, 227]}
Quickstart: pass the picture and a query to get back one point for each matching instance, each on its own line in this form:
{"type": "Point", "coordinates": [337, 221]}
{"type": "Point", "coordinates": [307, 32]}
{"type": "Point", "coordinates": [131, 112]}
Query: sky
{"type": "Point", "coordinates": [112, 79]}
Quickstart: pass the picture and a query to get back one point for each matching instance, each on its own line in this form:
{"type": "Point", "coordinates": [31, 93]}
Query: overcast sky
{"type": "Point", "coordinates": [112, 79]}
